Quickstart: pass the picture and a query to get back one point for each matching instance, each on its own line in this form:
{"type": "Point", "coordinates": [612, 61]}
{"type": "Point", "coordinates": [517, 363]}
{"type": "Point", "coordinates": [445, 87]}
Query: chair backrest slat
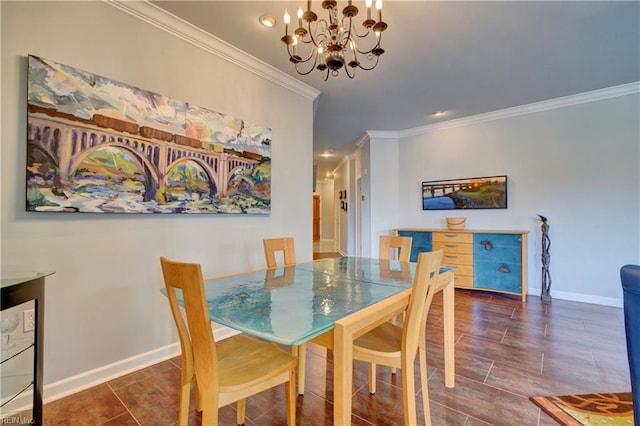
{"type": "Point", "coordinates": [284, 245]}
{"type": "Point", "coordinates": [389, 242]}
{"type": "Point", "coordinates": [425, 277]}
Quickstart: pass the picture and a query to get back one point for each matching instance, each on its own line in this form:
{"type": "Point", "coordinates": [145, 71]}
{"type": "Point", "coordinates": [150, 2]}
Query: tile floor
{"type": "Point", "coordinates": [506, 351]}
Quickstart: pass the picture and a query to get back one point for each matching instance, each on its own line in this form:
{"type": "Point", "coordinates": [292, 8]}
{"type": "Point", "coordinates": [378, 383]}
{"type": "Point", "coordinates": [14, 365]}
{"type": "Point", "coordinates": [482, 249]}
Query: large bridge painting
{"type": "Point", "coordinates": [95, 145]}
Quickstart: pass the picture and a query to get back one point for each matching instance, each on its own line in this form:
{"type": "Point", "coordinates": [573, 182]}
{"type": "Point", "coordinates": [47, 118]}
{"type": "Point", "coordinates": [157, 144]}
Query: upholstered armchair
{"type": "Point", "coordinates": [630, 277]}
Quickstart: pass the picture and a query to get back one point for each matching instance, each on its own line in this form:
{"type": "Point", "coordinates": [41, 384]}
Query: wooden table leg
{"type": "Point", "coordinates": [342, 376]}
{"type": "Point", "coordinates": [448, 301]}
{"type": "Point", "coordinates": [302, 363]}
{"type": "Point", "coordinates": [345, 332]}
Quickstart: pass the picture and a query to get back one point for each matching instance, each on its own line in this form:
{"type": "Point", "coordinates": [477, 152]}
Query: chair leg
{"type": "Point", "coordinates": [425, 386]}
{"type": "Point", "coordinates": [209, 408]}
{"type": "Point", "coordinates": [408, 392]}
{"type": "Point", "coordinates": [183, 411]}
{"type": "Point", "coordinates": [290, 391]}
{"type": "Point", "coordinates": [242, 411]}
{"type": "Point", "coordinates": [198, 398]}
{"type": "Point", "coordinates": [372, 378]}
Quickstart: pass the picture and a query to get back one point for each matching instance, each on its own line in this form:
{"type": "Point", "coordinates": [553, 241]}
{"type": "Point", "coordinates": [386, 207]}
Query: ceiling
{"type": "Point", "coordinates": [465, 58]}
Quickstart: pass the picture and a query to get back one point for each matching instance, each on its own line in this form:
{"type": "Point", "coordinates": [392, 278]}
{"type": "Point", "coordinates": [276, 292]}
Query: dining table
{"type": "Point", "coordinates": [330, 302]}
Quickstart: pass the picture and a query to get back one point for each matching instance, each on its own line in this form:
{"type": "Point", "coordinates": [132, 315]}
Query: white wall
{"type": "Point", "coordinates": [385, 182]}
{"type": "Point", "coordinates": [104, 310]}
{"type": "Point", "coordinates": [324, 188]}
{"type": "Point", "coordinates": [578, 165]}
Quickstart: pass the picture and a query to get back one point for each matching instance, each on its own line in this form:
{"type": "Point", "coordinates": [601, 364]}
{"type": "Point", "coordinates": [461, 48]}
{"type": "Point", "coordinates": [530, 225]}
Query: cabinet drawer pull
{"type": "Point", "coordinates": [487, 244]}
{"type": "Point", "coordinates": [504, 269]}
{"type": "Point", "coordinates": [451, 257]}
{"type": "Point", "coordinates": [451, 245]}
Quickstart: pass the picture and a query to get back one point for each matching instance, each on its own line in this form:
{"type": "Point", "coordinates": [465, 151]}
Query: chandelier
{"type": "Point", "coordinates": [329, 45]}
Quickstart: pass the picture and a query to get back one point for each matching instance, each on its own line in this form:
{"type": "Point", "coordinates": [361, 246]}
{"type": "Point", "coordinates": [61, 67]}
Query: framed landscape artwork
{"type": "Point", "coordinates": [96, 145]}
{"type": "Point", "coordinates": [471, 193]}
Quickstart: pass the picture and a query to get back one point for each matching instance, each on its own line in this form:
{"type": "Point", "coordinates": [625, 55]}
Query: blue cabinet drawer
{"type": "Point", "coordinates": [422, 241]}
{"type": "Point", "coordinates": [497, 261]}
{"type": "Point", "coordinates": [498, 276]}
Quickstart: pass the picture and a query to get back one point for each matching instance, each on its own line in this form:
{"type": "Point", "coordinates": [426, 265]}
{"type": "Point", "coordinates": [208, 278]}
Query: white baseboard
{"type": "Point", "coordinates": [577, 297]}
{"type": "Point", "coordinates": [91, 378]}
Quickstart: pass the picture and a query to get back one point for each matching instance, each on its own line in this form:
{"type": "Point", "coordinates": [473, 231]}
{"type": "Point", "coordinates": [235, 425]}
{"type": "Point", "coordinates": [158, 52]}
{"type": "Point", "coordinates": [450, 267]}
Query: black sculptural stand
{"type": "Point", "coordinates": [546, 258]}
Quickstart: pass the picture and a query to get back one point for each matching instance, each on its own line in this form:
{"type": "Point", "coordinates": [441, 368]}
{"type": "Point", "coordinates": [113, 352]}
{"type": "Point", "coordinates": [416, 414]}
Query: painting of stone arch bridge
{"type": "Point", "coordinates": [95, 145]}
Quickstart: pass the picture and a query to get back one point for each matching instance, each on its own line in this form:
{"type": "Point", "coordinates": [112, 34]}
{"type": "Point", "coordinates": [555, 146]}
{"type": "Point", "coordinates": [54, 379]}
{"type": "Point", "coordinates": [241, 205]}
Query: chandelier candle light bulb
{"type": "Point", "coordinates": [287, 19]}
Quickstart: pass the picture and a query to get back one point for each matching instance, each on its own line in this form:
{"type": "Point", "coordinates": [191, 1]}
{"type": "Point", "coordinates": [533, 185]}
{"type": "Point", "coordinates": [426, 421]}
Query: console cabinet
{"type": "Point", "coordinates": [17, 291]}
{"type": "Point", "coordinates": [483, 260]}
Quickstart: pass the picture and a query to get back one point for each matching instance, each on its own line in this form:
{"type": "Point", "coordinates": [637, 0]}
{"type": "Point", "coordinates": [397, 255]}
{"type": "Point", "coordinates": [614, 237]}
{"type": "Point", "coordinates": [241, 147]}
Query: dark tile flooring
{"type": "Point", "coordinates": [506, 351]}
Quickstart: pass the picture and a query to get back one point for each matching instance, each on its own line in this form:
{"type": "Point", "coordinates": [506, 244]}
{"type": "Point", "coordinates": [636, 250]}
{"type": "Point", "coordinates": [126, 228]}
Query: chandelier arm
{"type": "Point", "coordinates": [313, 67]}
{"type": "Point", "coordinates": [322, 37]}
{"type": "Point", "coordinates": [369, 69]}
{"type": "Point", "coordinates": [301, 60]}
{"type": "Point", "coordinates": [348, 32]}
{"type": "Point", "coordinates": [366, 52]}
{"type": "Point", "coordinates": [311, 55]}
{"type": "Point", "coordinates": [364, 35]}
{"type": "Point", "coordinates": [351, 76]}
{"type": "Point", "coordinates": [376, 46]}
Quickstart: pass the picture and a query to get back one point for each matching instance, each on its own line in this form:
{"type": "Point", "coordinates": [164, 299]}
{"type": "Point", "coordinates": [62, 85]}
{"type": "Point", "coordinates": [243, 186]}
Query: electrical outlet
{"type": "Point", "coordinates": [28, 320]}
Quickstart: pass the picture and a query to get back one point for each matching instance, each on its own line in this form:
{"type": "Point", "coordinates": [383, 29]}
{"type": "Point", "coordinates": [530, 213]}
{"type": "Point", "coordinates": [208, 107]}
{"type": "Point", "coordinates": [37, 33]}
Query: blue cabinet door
{"type": "Point", "coordinates": [497, 261]}
{"type": "Point", "coordinates": [422, 241]}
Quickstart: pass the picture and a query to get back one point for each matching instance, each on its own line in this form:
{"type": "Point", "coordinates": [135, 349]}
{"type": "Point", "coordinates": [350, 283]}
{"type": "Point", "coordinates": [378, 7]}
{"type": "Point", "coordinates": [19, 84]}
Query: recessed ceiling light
{"type": "Point", "coordinates": [439, 113]}
{"type": "Point", "coordinates": [268, 21]}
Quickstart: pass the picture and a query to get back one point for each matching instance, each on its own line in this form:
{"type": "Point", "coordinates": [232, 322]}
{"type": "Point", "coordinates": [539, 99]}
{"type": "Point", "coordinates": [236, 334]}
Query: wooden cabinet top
{"type": "Point", "coordinates": [469, 231]}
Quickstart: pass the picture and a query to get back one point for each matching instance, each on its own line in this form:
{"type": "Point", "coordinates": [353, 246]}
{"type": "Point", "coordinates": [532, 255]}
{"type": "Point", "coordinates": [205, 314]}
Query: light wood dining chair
{"type": "Point", "coordinates": [395, 243]}
{"type": "Point", "coordinates": [397, 346]}
{"type": "Point", "coordinates": [224, 372]}
{"type": "Point", "coordinates": [275, 245]}
{"type": "Point", "coordinates": [286, 246]}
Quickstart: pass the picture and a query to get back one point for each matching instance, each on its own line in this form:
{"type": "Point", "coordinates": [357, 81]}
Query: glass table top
{"type": "Point", "coordinates": [291, 305]}
{"type": "Point", "coordinates": [376, 271]}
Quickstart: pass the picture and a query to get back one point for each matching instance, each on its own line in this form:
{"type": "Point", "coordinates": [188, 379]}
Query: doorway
{"type": "Point", "coordinates": [316, 218]}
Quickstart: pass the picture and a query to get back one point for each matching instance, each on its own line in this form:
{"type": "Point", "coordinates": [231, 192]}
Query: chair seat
{"type": "Point", "coordinates": [244, 361]}
{"type": "Point", "coordinates": [381, 342]}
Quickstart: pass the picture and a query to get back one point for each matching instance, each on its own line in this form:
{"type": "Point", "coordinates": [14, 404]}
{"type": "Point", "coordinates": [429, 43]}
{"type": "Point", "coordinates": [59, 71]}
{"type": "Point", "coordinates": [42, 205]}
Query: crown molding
{"type": "Point", "coordinates": [383, 134]}
{"type": "Point", "coordinates": [581, 98]}
{"type": "Point", "coordinates": [364, 138]}
{"type": "Point", "coordinates": [182, 29]}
